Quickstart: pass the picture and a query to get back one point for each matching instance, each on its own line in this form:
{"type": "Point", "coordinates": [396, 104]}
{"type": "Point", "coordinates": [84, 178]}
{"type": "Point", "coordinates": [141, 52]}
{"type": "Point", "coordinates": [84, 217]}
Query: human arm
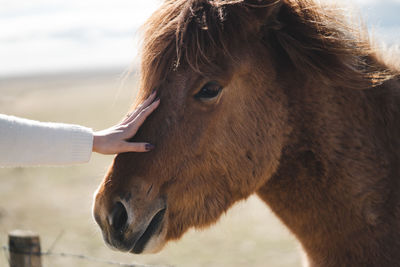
{"type": "Point", "coordinates": [25, 142]}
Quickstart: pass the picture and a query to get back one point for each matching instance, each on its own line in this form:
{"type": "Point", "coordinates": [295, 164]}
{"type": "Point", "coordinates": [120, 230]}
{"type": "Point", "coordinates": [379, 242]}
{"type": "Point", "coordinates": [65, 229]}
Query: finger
{"type": "Point", "coordinates": [136, 147]}
{"type": "Point", "coordinates": [134, 125]}
{"type": "Point", "coordinates": [127, 118]}
{"type": "Point", "coordinates": [131, 116]}
{"type": "Point", "coordinates": [147, 102]}
{"type": "Point", "coordinates": [140, 108]}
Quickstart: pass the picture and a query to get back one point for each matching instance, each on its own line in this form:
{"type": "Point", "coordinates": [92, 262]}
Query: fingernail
{"type": "Point", "coordinates": [157, 99]}
{"type": "Point", "coordinates": [149, 147]}
{"type": "Point", "coordinates": [154, 91]}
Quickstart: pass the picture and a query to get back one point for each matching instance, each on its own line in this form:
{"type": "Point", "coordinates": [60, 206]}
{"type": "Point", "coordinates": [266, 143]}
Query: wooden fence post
{"type": "Point", "coordinates": [24, 249]}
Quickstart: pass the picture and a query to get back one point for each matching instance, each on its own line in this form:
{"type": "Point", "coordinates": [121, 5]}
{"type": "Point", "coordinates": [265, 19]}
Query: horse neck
{"type": "Point", "coordinates": [337, 186]}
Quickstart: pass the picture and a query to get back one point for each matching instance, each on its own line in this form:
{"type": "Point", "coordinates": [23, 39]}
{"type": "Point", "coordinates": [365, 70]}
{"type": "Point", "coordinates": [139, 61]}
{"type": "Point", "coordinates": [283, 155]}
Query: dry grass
{"type": "Point", "coordinates": [51, 201]}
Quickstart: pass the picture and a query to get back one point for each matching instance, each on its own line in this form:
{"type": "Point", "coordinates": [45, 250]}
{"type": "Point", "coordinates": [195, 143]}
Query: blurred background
{"type": "Point", "coordinates": [63, 61]}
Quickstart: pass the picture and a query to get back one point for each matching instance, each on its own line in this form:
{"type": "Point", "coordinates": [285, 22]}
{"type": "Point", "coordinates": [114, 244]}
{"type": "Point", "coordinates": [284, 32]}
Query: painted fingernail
{"type": "Point", "coordinates": [149, 147]}
{"type": "Point", "coordinates": [154, 91]}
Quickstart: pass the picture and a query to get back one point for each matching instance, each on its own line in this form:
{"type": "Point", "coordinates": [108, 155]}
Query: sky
{"type": "Point", "coordinates": [42, 36]}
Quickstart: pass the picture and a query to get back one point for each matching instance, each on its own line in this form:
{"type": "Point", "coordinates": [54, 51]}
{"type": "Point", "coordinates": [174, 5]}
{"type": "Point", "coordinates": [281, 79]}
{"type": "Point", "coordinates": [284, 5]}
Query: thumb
{"type": "Point", "coordinates": [136, 147]}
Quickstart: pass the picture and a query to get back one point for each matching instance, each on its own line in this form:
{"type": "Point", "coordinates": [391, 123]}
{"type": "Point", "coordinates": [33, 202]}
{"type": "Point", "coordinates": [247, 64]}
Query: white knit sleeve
{"type": "Point", "coordinates": [25, 142]}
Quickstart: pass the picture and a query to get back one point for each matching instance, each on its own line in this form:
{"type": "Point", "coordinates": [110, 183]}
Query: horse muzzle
{"type": "Point", "coordinates": [128, 228]}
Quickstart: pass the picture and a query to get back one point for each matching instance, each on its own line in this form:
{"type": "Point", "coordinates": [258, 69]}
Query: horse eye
{"type": "Point", "coordinates": [209, 91]}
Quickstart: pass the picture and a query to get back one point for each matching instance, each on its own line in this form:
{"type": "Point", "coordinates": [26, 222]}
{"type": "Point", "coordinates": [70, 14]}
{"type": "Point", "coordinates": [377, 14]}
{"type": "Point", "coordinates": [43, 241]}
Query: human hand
{"type": "Point", "coordinates": [114, 140]}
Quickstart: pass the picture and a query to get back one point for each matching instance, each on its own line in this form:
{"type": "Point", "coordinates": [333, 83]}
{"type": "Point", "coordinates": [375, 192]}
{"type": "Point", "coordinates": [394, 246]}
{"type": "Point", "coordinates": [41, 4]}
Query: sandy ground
{"type": "Point", "coordinates": [56, 202]}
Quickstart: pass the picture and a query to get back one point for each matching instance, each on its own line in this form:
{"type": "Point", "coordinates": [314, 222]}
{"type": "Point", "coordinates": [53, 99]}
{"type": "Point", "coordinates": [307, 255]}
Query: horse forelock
{"type": "Point", "coordinates": [318, 41]}
{"type": "Point", "coordinates": [199, 34]}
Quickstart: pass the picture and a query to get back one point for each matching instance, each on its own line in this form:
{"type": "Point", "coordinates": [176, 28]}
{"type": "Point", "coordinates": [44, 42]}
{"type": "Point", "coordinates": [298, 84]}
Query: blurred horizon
{"type": "Point", "coordinates": [53, 36]}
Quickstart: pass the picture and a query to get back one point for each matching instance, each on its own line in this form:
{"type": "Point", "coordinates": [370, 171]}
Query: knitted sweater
{"type": "Point", "coordinates": [25, 142]}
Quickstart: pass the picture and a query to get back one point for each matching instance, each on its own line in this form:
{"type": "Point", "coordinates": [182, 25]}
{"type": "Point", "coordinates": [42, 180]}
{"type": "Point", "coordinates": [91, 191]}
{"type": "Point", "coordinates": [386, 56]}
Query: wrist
{"type": "Point", "coordinates": [96, 142]}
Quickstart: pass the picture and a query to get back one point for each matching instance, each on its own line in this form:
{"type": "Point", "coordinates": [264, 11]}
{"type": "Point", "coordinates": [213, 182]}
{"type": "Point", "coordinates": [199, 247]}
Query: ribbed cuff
{"type": "Point", "coordinates": [82, 144]}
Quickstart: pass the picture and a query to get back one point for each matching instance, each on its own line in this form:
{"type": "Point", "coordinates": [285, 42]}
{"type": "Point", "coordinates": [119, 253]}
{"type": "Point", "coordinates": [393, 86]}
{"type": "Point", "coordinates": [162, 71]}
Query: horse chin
{"type": "Point", "coordinates": [153, 245]}
{"type": "Point", "coordinates": [152, 239]}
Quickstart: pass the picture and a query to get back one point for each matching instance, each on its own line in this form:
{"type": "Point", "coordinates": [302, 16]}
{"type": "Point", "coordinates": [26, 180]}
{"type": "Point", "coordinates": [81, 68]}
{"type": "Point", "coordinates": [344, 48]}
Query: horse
{"type": "Point", "coordinates": [286, 99]}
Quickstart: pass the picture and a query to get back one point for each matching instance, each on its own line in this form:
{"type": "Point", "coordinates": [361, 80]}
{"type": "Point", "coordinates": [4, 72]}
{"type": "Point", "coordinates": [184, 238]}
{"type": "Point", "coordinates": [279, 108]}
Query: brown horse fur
{"type": "Point", "coordinates": [308, 119]}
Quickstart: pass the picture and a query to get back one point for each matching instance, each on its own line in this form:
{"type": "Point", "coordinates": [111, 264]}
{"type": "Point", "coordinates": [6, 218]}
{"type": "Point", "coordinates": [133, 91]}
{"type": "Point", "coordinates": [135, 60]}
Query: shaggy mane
{"type": "Point", "coordinates": [314, 40]}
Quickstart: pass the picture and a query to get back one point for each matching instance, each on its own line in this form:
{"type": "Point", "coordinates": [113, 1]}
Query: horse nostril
{"type": "Point", "coordinates": [119, 217]}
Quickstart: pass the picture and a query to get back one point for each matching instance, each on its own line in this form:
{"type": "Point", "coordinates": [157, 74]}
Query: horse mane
{"type": "Point", "coordinates": [311, 39]}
